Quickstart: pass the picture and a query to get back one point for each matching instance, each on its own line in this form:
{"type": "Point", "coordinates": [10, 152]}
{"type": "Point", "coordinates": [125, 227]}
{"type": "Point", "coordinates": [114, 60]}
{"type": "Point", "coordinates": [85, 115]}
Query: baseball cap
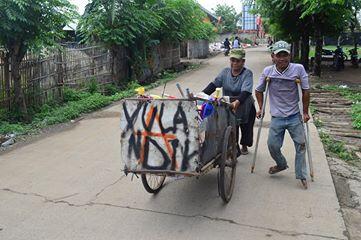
{"type": "Point", "coordinates": [281, 46]}
{"type": "Point", "coordinates": [237, 53]}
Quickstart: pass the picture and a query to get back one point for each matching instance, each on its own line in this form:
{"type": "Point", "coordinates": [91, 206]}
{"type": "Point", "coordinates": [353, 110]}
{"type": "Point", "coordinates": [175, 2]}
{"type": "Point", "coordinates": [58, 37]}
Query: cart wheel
{"type": "Point", "coordinates": [153, 183]}
{"type": "Point", "coordinates": [227, 165]}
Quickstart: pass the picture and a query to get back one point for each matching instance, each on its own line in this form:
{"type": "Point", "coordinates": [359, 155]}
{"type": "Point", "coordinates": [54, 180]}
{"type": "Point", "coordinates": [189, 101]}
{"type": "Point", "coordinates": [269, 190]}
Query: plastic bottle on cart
{"type": "Point", "coordinates": [207, 109]}
{"type": "Point", "coordinates": [217, 94]}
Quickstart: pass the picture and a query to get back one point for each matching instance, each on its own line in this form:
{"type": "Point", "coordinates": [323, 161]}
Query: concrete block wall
{"type": "Point", "coordinates": [198, 49]}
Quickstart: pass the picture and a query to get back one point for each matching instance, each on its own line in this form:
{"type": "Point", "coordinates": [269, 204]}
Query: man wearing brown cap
{"type": "Point", "coordinates": [237, 84]}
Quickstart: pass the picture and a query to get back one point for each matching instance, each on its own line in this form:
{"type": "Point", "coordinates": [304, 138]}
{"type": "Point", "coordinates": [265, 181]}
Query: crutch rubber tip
{"type": "Point", "coordinates": [252, 169]}
{"type": "Point", "coordinates": [298, 81]}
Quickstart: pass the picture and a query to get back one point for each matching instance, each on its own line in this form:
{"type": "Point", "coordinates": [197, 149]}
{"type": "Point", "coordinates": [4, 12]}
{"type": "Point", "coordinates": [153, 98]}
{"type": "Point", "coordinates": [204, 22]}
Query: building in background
{"type": "Point", "coordinates": [248, 18]}
{"type": "Point", "coordinates": [210, 16]}
{"type": "Point", "coordinates": [251, 23]}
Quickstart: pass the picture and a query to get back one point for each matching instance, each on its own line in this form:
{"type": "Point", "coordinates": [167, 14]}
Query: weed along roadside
{"type": "Point", "coordinates": [336, 111]}
{"type": "Point", "coordinates": [76, 102]}
{"type": "Point", "coordinates": [337, 115]}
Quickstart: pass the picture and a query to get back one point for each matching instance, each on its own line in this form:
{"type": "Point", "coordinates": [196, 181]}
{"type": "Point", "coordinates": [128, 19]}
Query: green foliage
{"type": "Point", "coordinates": [183, 20]}
{"type": "Point", "coordinates": [73, 95]}
{"type": "Point", "coordinates": [50, 116]}
{"type": "Point", "coordinates": [119, 22]}
{"type": "Point", "coordinates": [123, 23]}
{"type": "Point", "coordinates": [336, 147]}
{"type": "Point", "coordinates": [110, 89]}
{"type": "Point", "coordinates": [18, 128]}
{"type": "Point", "coordinates": [140, 24]}
{"type": "Point", "coordinates": [92, 86]}
{"type": "Point", "coordinates": [283, 18]}
{"type": "Point", "coordinates": [356, 115]}
{"type": "Point", "coordinates": [313, 110]}
{"type": "Point", "coordinates": [331, 16]}
{"type": "Point", "coordinates": [289, 19]}
{"type": "Point", "coordinates": [229, 17]}
{"type": "Point", "coordinates": [33, 23]}
{"type": "Point", "coordinates": [318, 123]}
{"type": "Point", "coordinates": [30, 25]}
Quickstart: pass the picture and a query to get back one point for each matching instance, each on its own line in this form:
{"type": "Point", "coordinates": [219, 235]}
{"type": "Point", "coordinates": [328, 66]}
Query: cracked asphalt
{"type": "Point", "coordinates": [69, 185]}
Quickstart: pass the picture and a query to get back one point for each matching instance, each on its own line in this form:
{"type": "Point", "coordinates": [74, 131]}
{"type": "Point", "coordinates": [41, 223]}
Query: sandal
{"type": "Point", "coordinates": [239, 152]}
{"type": "Point", "coordinates": [276, 169]}
{"type": "Point", "coordinates": [244, 152]}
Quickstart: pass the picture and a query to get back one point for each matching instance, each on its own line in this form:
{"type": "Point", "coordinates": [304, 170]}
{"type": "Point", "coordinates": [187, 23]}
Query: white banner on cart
{"type": "Point", "coordinates": [159, 135]}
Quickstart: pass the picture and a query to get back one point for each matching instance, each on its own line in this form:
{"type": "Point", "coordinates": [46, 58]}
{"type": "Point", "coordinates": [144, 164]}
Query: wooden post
{"type": "Point", "coordinates": [60, 77]}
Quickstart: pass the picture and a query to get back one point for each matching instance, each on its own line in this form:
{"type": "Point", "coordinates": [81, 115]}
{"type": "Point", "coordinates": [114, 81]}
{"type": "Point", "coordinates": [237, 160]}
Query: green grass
{"type": "Point", "coordinates": [337, 147]}
{"type": "Point", "coordinates": [49, 114]}
{"type": "Point", "coordinates": [333, 47]}
{"type": "Point", "coordinates": [77, 103]}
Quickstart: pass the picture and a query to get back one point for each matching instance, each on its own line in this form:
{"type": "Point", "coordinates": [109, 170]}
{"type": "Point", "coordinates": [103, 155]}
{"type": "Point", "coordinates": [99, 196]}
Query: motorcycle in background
{"type": "Point", "coordinates": [339, 58]}
{"type": "Point", "coordinates": [354, 57]}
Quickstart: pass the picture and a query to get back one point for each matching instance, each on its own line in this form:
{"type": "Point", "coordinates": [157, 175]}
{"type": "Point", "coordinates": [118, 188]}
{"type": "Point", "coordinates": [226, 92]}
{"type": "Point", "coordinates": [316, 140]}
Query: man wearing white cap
{"type": "Point", "coordinates": [284, 108]}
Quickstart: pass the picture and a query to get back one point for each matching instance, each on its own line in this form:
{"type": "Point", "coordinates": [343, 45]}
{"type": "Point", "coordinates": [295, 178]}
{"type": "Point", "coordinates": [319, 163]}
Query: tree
{"type": "Point", "coordinates": [284, 18]}
{"type": "Point", "coordinates": [328, 18]}
{"type": "Point", "coordinates": [122, 23]}
{"type": "Point", "coordinates": [354, 7]}
{"type": "Point", "coordinates": [183, 19]}
{"type": "Point", "coordinates": [30, 24]}
{"type": "Point", "coordinates": [139, 24]}
{"type": "Point", "coordinates": [302, 19]}
{"type": "Point", "coordinates": [229, 17]}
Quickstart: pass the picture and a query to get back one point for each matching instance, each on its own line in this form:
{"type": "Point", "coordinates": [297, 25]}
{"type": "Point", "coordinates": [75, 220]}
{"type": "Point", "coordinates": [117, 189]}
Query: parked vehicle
{"type": "Point", "coordinates": [339, 59]}
{"type": "Point", "coordinates": [354, 57]}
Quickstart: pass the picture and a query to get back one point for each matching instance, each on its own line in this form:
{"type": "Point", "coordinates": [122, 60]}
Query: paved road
{"type": "Point", "coordinates": [69, 186]}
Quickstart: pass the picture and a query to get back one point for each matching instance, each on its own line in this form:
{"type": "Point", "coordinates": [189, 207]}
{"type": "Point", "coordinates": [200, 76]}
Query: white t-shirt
{"type": "Point", "coordinates": [236, 43]}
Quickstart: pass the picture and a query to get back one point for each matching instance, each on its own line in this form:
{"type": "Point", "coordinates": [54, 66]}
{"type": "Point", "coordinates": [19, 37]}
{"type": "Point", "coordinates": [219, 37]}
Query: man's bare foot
{"type": "Point", "coordinates": [304, 183]}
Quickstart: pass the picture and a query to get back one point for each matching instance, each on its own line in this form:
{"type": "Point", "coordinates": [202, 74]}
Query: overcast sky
{"type": "Point", "coordinates": [208, 4]}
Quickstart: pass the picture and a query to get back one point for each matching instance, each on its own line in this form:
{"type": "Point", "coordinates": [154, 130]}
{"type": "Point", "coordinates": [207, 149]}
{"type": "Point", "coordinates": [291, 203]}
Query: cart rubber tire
{"type": "Point", "coordinates": [227, 162]}
{"type": "Point", "coordinates": [153, 185]}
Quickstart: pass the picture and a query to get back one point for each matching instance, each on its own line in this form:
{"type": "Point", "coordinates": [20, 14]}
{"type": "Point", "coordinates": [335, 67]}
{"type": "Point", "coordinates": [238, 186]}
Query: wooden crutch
{"type": "Point", "coordinates": [306, 129]}
{"type": "Point", "coordinates": [260, 125]}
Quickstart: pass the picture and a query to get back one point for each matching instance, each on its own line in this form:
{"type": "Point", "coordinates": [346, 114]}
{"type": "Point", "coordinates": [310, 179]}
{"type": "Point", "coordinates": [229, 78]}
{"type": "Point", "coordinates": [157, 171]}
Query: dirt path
{"type": "Point", "coordinates": [69, 186]}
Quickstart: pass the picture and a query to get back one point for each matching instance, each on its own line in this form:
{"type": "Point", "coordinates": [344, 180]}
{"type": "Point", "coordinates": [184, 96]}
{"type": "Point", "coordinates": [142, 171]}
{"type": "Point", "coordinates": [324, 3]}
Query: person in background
{"type": "Point", "coordinates": [227, 46]}
{"type": "Point", "coordinates": [236, 43]}
{"type": "Point", "coordinates": [269, 41]}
